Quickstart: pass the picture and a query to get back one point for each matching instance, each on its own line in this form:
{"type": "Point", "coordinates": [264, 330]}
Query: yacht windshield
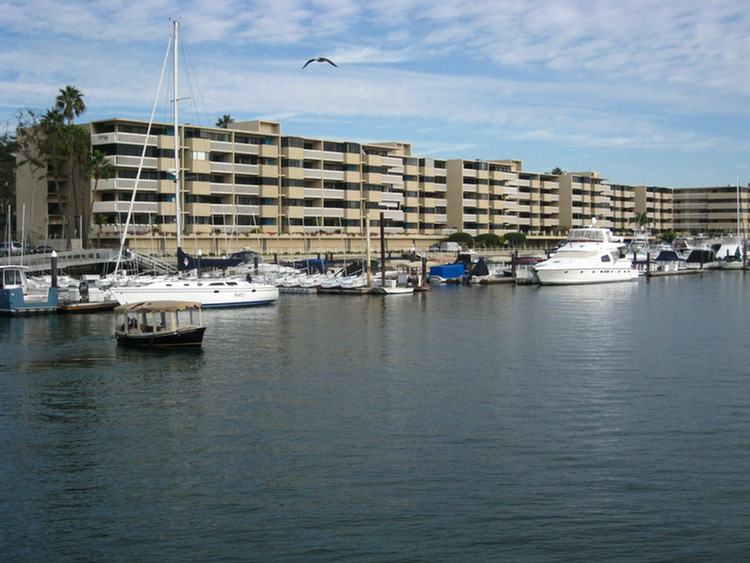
{"type": "Point", "coordinates": [586, 235]}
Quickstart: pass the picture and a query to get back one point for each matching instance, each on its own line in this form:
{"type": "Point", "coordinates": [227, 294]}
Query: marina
{"type": "Point", "coordinates": [472, 422]}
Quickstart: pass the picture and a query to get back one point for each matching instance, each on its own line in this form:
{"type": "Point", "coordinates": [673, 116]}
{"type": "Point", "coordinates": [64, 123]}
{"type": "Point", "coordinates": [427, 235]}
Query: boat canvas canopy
{"type": "Point", "coordinates": [151, 306]}
{"type": "Point", "coordinates": [186, 262]}
{"type": "Point", "coordinates": [448, 271]}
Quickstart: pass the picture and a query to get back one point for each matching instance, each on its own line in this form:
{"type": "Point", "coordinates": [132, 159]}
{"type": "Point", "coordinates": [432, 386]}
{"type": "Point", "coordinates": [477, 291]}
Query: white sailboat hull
{"type": "Point", "coordinates": [209, 293]}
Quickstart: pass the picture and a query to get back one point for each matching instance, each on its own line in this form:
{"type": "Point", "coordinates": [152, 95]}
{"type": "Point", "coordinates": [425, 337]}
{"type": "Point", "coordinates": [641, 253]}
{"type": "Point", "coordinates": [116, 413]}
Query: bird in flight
{"type": "Point", "coordinates": [320, 60]}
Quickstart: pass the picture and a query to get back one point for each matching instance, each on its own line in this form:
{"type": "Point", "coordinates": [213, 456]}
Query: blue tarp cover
{"type": "Point", "coordinates": [448, 271]}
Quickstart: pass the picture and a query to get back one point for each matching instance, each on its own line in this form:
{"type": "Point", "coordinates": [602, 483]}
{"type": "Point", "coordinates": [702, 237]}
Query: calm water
{"type": "Point", "coordinates": [500, 423]}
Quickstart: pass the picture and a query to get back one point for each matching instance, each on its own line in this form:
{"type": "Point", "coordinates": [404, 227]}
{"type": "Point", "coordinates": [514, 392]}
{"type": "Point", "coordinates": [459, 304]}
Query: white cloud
{"type": "Point", "coordinates": [631, 75]}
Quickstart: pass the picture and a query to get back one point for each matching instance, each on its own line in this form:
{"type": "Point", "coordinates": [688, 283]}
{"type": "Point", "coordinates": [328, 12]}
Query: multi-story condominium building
{"type": "Point", "coordinates": [498, 196]}
{"type": "Point", "coordinates": [631, 204]}
{"type": "Point", "coordinates": [722, 209]}
{"type": "Point", "coordinates": [624, 209]}
{"type": "Point", "coordinates": [584, 195]}
{"type": "Point", "coordinates": [249, 180]}
{"type": "Point", "coordinates": [657, 203]}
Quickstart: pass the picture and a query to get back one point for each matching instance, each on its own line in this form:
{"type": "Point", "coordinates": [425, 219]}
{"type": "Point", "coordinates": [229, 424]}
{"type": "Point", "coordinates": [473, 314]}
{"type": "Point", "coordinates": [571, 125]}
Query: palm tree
{"type": "Point", "coordinates": [70, 103]}
{"type": "Point", "coordinates": [224, 121]}
{"type": "Point", "coordinates": [78, 145]}
{"type": "Point", "coordinates": [51, 151]}
{"type": "Point", "coordinates": [98, 167]}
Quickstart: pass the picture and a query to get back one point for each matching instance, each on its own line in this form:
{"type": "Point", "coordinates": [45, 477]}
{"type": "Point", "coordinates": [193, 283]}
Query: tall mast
{"type": "Point", "coordinates": [739, 233]}
{"type": "Point", "coordinates": [177, 194]}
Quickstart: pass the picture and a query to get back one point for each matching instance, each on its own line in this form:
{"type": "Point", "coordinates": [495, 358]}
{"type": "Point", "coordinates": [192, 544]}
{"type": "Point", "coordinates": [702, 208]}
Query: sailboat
{"type": "Point", "coordinates": [209, 292]}
{"type": "Point", "coordinates": [387, 287]}
{"type": "Point", "coordinates": [731, 253]}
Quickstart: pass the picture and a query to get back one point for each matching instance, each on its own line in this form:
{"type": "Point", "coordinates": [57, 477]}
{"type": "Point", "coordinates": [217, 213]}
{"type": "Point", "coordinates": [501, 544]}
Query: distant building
{"type": "Point", "coordinates": [249, 180]}
{"type": "Point", "coordinates": [721, 209]}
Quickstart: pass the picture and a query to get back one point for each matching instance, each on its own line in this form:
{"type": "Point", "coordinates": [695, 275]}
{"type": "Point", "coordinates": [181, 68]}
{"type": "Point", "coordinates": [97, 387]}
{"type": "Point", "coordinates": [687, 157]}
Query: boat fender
{"type": "Point", "coordinates": [83, 291]}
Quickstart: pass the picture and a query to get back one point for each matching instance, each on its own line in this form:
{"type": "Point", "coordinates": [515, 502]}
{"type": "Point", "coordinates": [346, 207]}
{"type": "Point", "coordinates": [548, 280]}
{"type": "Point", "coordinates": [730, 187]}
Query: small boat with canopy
{"type": "Point", "coordinates": [153, 324]}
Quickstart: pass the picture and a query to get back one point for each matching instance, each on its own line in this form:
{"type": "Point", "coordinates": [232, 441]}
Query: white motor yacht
{"type": "Point", "coordinates": [590, 255]}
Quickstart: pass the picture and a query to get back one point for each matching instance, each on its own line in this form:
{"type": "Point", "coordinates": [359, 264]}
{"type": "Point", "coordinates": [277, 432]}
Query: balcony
{"type": "Point", "coordinates": [247, 209]}
{"type": "Point", "coordinates": [222, 209]}
{"type": "Point", "coordinates": [391, 199]}
{"type": "Point", "coordinates": [392, 179]}
{"type": "Point", "coordinates": [249, 169]}
{"type": "Point", "coordinates": [313, 193]}
{"type": "Point", "coordinates": [135, 161]}
{"type": "Point", "coordinates": [123, 139]}
{"type": "Point", "coordinates": [246, 148]}
{"type": "Point", "coordinates": [333, 194]}
{"type": "Point", "coordinates": [107, 207]}
{"type": "Point", "coordinates": [222, 167]}
{"type": "Point", "coordinates": [312, 212]}
{"type": "Point", "coordinates": [312, 174]}
{"type": "Point", "coordinates": [127, 184]}
{"type": "Point", "coordinates": [393, 162]}
{"type": "Point", "coordinates": [393, 214]}
{"type": "Point", "coordinates": [222, 146]}
{"type": "Point", "coordinates": [222, 189]}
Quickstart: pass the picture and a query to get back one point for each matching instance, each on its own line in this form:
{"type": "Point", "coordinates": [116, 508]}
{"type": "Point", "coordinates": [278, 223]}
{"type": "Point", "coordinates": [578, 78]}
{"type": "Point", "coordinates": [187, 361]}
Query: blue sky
{"type": "Point", "coordinates": [643, 92]}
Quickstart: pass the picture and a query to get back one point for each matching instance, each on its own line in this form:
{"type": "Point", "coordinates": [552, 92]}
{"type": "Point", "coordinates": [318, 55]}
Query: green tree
{"type": "Point", "coordinates": [38, 148]}
{"type": "Point", "coordinates": [668, 236]}
{"type": "Point", "coordinates": [52, 153]}
{"type": "Point", "coordinates": [462, 238]}
{"type": "Point", "coordinates": [488, 240]}
{"type": "Point", "coordinates": [98, 168]}
{"type": "Point", "coordinates": [51, 145]}
{"type": "Point", "coordinates": [557, 171]}
{"type": "Point", "coordinates": [224, 121]}
{"type": "Point", "coordinates": [642, 219]}
{"type": "Point", "coordinates": [77, 144]}
{"type": "Point", "coordinates": [70, 103]}
{"type": "Point", "coordinates": [515, 239]}
{"type": "Point", "coordinates": [8, 146]}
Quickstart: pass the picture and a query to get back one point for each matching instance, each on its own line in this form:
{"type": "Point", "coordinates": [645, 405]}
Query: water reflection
{"type": "Point", "coordinates": [503, 422]}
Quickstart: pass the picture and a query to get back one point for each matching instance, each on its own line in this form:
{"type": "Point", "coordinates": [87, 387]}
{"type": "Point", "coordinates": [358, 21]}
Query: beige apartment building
{"type": "Point", "coordinates": [719, 209]}
{"type": "Point", "coordinates": [251, 186]}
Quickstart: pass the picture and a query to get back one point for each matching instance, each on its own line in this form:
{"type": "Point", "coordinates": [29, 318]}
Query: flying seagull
{"type": "Point", "coordinates": [320, 60]}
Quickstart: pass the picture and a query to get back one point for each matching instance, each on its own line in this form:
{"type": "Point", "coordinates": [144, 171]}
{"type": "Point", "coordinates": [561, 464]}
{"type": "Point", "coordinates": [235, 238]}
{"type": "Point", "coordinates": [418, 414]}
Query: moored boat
{"type": "Point", "coordinates": [18, 297]}
{"type": "Point", "coordinates": [154, 324]}
{"type": "Point", "coordinates": [590, 255]}
{"type": "Point", "coordinates": [209, 292]}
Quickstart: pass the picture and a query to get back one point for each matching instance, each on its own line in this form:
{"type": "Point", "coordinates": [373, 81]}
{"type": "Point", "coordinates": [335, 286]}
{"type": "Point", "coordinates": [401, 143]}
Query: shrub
{"type": "Point", "coordinates": [490, 240]}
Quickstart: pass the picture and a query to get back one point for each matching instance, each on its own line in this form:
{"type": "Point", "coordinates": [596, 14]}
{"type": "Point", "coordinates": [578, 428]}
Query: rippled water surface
{"type": "Point", "coordinates": [492, 423]}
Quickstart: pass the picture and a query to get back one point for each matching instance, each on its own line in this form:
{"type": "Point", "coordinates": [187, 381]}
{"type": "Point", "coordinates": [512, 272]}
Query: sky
{"type": "Point", "coordinates": [643, 92]}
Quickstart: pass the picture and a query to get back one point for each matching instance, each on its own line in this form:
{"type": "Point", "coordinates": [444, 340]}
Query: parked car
{"type": "Point", "coordinates": [43, 250]}
{"type": "Point", "coordinates": [12, 248]}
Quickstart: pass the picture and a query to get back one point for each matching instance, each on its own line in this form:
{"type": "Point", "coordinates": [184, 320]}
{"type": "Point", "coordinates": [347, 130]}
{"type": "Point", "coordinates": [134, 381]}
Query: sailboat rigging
{"type": "Point", "coordinates": [210, 292]}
